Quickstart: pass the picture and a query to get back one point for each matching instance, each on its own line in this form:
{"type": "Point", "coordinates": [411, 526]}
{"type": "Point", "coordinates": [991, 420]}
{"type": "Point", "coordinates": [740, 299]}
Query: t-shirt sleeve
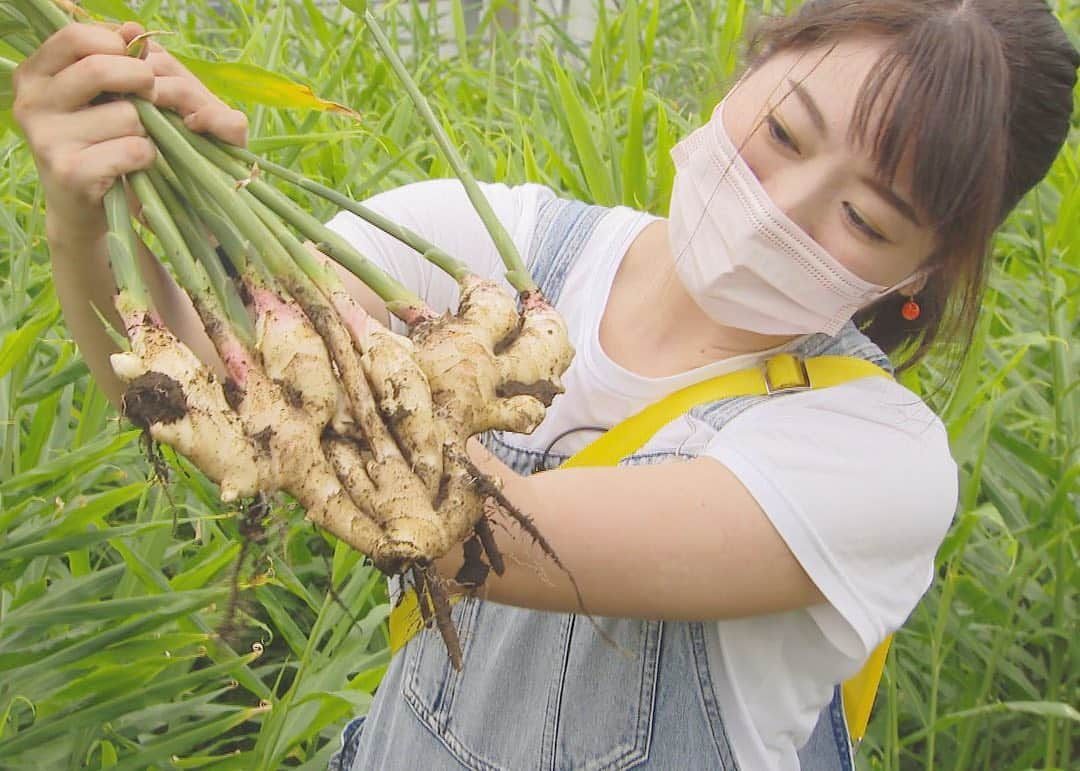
{"type": "Point", "coordinates": [859, 482]}
{"type": "Point", "coordinates": [441, 212]}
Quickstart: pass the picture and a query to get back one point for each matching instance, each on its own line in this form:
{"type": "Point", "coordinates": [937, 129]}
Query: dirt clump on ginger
{"type": "Point", "coordinates": [154, 397]}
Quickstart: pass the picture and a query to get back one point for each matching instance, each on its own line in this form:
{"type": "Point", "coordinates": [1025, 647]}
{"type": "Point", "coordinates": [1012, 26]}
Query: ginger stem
{"type": "Point", "coordinates": [122, 245]}
{"type": "Point", "coordinates": [516, 272]}
{"type": "Point", "coordinates": [43, 16]}
{"type": "Point", "coordinates": [203, 251]}
{"type": "Point", "coordinates": [232, 160]}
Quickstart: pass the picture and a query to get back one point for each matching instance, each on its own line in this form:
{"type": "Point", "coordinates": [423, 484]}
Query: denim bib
{"type": "Point", "coordinates": [543, 690]}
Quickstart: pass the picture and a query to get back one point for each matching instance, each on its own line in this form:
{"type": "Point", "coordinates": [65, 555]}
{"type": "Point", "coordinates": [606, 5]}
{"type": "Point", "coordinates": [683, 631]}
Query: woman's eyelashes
{"type": "Point", "coordinates": [859, 223]}
{"type": "Point", "coordinates": [780, 134]}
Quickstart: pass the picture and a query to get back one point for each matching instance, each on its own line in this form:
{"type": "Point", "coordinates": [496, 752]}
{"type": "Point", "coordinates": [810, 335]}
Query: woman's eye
{"type": "Point", "coordinates": [861, 224]}
{"type": "Point", "coordinates": [779, 133]}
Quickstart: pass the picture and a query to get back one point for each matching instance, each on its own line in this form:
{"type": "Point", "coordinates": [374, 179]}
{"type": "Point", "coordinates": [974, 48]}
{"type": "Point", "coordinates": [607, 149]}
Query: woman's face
{"type": "Point", "coordinates": [790, 119]}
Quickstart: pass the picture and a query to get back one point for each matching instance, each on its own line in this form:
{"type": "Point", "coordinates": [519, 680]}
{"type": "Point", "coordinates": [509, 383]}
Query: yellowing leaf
{"type": "Point", "coordinates": [247, 83]}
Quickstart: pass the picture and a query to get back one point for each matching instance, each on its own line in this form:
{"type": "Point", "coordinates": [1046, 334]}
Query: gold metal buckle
{"type": "Point", "coordinates": [785, 373]}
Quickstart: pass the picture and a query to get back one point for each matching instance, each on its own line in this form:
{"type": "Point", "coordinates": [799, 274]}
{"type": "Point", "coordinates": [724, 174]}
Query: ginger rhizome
{"type": "Point", "coordinates": [365, 428]}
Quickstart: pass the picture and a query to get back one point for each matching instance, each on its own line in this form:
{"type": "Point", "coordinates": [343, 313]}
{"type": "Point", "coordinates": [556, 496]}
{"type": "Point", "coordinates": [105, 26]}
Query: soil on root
{"type": "Point", "coordinates": [234, 393]}
{"type": "Point", "coordinates": [544, 390]}
{"type": "Point", "coordinates": [262, 441]}
{"type": "Point", "coordinates": [487, 540]}
{"type": "Point", "coordinates": [474, 571]}
{"type": "Point", "coordinates": [292, 394]}
{"type": "Point", "coordinates": [154, 397]}
{"type": "Point", "coordinates": [511, 337]}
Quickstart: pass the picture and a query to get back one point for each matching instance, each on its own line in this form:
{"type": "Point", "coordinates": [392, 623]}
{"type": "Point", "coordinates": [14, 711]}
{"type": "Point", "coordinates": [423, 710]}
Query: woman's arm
{"type": "Point", "coordinates": [834, 499]}
{"type": "Point", "coordinates": [81, 146]}
{"type": "Point", "coordinates": [676, 541]}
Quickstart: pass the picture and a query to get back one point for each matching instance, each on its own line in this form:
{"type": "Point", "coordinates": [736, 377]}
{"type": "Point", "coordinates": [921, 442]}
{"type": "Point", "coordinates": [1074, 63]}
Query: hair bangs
{"type": "Point", "coordinates": [925, 113]}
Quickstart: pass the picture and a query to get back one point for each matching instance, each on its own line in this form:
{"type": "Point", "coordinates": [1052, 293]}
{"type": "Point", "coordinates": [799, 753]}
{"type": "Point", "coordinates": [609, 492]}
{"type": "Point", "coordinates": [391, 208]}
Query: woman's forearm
{"type": "Point", "coordinates": [85, 288]}
{"type": "Point", "coordinates": [83, 282]}
{"type": "Point", "coordinates": [676, 541]}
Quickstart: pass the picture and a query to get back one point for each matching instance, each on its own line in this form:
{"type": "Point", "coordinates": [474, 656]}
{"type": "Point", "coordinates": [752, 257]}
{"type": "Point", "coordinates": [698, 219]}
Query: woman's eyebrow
{"type": "Point", "coordinates": [907, 211]}
{"type": "Point", "coordinates": [811, 106]}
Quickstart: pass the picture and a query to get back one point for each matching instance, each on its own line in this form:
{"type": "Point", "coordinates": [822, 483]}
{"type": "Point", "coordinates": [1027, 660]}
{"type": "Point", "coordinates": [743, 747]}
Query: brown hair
{"type": "Point", "coordinates": [979, 93]}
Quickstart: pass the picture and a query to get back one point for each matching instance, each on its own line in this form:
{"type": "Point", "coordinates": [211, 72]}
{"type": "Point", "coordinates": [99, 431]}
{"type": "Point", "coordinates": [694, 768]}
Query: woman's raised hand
{"type": "Point", "coordinates": [82, 142]}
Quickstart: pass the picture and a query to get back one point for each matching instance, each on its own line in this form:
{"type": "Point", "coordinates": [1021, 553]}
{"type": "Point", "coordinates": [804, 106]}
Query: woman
{"type": "Point", "coordinates": [857, 170]}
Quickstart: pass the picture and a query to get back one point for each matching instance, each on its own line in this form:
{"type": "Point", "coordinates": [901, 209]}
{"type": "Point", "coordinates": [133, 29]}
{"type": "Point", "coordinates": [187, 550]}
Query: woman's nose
{"type": "Point", "coordinates": [802, 190]}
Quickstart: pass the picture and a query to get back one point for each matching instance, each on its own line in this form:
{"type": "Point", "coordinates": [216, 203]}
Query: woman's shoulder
{"type": "Point", "coordinates": [878, 400]}
{"type": "Point", "coordinates": [859, 480]}
{"type": "Point", "coordinates": [872, 438]}
{"type": "Point", "coordinates": [859, 412]}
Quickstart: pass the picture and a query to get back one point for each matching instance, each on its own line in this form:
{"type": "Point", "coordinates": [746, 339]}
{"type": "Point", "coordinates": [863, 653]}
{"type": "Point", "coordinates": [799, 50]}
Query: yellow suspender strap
{"type": "Point", "coordinates": [783, 373]}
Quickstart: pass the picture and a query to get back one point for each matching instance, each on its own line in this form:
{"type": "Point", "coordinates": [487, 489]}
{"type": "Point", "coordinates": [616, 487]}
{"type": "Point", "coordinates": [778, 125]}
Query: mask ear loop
{"type": "Point", "coordinates": [910, 310]}
{"type": "Point", "coordinates": [919, 274]}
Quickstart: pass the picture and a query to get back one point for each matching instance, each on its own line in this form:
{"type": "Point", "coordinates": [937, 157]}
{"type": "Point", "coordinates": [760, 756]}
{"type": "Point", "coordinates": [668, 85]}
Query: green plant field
{"type": "Point", "coordinates": [114, 588]}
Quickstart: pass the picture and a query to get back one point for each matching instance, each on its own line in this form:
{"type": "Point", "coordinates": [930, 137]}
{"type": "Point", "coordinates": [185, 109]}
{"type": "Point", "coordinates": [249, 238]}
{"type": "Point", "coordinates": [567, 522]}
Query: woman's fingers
{"type": "Point", "coordinates": [93, 75]}
{"type": "Point", "coordinates": [202, 111]}
{"type": "Point", "coordinates": [103, 122]}
{"type": "Point", "coordinates": [71, 44]}
{"type": "Point", "coordinates": [228, 125]}
{"type": "Point", "coordinates": [165, 63]}
{"type": "Point", "coordinates": [183, 95]}
{"type": "Point", "coordinates": [93, 169]}
{"type": "Point", "coordinates": [52, 140]}
{"type": "Point", "coordinates": [129, 30]}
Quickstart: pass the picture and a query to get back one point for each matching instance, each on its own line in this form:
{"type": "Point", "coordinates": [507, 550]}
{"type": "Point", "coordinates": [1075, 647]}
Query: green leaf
{"type": "Point", "coordinates": [112, 9]}
{"type": "Point", "coordinates": [285, 624]}
{"type": "Point", "coordinates": [634, 169]}
{"type": "Point", "coordinates": [183, 742]}
{"type": "Point", "coordinates": [7, 69]}
{"type": "Point", "coordinates": [202, 573]}
{"type": "Point", "coordinates": [119, 705]}
{"type": "Point", "coordinates": [356, 6]}
{"type": "Point", "coordinates": [78, 513]}
{"type": "Point", "coordinates": [592, 165]}
{"type": "Point", "coordinates": [26, 664]}
{"type": "Point", "coordinates": [42, 387]}
{"type": "Point", "coordinates": [78, 541]}
{"type": "Point", "coordinates": [95, 611]}
{"type": "Point", "coordinates": [72, 463]}
{"type": "Point", "coordinates": [250, 84]}
{"type": "Point", "coordinates": [14, 347]}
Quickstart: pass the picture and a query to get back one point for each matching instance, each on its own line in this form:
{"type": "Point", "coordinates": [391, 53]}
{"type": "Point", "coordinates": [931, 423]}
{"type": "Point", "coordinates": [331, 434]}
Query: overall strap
{"type": "Point", "coordinates": [563, 227]}
{"type": "Point", "coordinates": [783, 373]}
{"type": "Point", "coordinates": [780, 374]}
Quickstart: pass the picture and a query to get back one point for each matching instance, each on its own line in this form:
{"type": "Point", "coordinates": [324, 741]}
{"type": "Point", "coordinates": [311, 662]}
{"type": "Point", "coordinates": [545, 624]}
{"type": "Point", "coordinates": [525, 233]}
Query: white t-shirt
{"type": "Point", "coordinates": [857, 478]}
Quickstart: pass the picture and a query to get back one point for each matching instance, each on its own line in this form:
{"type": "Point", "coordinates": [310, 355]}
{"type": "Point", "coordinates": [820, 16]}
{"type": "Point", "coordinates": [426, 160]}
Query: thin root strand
{"type": "Point", "coordinates": [488, 487]}
{"type": "Point", "coordinates": [491, 549]}
{"type": "Point", "coordinates": [430, 588]}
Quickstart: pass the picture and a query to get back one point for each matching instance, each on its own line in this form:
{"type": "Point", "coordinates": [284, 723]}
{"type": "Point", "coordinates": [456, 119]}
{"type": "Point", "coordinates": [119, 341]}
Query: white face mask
{"type": "Point", "coordinates": [745, 263]}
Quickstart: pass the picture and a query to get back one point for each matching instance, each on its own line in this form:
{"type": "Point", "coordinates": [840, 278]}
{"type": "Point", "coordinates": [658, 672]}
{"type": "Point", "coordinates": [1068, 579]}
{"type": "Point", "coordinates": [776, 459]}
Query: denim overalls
{"type": "Point", "coordinates": [542, 691]}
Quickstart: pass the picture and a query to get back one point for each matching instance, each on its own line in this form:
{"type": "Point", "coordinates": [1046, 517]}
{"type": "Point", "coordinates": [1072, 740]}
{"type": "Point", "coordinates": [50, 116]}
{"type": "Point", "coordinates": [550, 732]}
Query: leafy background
{"type": "Point", "coordinates": [114, 589]}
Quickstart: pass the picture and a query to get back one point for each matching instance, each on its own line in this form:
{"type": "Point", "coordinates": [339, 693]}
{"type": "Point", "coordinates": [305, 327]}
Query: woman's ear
{"type": "Point", "coordinates": [916, 283]}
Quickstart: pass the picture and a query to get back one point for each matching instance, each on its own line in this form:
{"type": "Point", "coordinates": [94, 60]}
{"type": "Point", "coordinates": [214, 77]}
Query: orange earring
{"type": "Point", "coordinates": [910, 310]}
